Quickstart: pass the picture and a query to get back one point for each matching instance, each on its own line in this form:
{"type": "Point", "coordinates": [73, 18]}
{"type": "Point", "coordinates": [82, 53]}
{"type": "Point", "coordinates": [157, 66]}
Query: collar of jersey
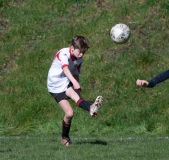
{"type": "Point", "coordinates": [71, 55]}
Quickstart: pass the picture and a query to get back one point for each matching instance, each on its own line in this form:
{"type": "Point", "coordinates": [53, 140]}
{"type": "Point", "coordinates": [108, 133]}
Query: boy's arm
{"type": "Point", "coordinates": [67, 72]}
{"type": "Point", "coordinates": [158, 79]}
{"type": "Point", "coordinates": [77, 90]}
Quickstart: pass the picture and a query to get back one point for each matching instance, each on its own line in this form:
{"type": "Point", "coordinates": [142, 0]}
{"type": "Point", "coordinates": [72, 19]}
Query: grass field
{"type": "Point", "coordinates": [88, 148]}
{"type": "Point", "coordinates": [133, 122]}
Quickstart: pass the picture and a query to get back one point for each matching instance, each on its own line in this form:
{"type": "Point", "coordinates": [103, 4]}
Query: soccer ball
{"type": "Point", "coordinates": [120, 33]}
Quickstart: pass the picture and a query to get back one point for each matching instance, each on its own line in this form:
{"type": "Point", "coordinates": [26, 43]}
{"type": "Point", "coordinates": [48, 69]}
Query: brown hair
{"type": "Point", "coordinates": [80, 42]}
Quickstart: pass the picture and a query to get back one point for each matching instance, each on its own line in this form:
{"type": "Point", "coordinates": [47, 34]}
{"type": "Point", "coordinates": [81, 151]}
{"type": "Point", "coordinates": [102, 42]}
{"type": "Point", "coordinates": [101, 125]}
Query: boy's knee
{"type": "Point", "coordinates": [69, 115]}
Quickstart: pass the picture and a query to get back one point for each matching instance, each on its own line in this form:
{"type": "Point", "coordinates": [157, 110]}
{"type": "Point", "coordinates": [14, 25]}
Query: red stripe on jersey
{"type": "Point", "coordinates": [65, 65]}
{"type": "Point", "coordinates": [57, 56]}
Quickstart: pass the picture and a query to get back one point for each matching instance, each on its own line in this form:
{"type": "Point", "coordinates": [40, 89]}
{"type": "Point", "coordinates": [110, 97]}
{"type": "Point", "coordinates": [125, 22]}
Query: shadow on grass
{"type": "Point", "coordinates": [5, 150]}
{"type": "Point", "coordinates": [96, 142]}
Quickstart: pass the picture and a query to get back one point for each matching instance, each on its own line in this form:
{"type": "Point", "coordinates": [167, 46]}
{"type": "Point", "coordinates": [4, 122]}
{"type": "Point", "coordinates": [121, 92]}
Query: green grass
{"type": "Point", "coordinates": [112, 147]}
{"type": "Point", "coordinates": [133, 122]}
{"type": "Point", "coordinates": [31, 32]}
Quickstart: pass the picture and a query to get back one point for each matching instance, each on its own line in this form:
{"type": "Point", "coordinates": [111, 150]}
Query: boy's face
{"type": "Point", "coordinates": [77, 53]}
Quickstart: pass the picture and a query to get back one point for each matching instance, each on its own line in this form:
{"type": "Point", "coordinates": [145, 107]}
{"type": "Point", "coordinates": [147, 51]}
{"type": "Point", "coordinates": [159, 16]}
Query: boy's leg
{"type": "Point", "coordinates": [66, 122]}
{"type": "Point", "coordinates": [92, 108]}
{"type": "Point", "coordinates": [76, 97]}
{"type": "Point", "coordinates": [67, 108]}
{"type": "Point", "coordinates": [65, 140]}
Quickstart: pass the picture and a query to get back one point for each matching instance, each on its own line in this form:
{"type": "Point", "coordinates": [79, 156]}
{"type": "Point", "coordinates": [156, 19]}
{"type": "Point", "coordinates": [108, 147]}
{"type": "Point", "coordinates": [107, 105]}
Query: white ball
{"type": "Point", "coordinates": [120, 33]}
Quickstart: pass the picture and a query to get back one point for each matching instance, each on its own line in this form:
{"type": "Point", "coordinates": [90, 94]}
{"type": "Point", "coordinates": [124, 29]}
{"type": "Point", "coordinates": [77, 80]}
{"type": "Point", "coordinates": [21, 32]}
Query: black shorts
{"type": "Point", "coordinates": [61, 96]}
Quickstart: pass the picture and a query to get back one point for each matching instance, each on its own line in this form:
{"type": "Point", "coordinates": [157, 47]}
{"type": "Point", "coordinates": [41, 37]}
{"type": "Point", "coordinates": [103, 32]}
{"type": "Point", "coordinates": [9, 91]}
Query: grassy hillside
{"type": "Point", "coordinates": [33, 30]}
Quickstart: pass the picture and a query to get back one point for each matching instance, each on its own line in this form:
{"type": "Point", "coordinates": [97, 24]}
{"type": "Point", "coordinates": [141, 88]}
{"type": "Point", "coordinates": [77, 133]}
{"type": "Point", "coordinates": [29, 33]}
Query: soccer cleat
{"type": "Point", "coordinates": [66, 141]}
{"type": "Point", "coordinates": [94, 108]}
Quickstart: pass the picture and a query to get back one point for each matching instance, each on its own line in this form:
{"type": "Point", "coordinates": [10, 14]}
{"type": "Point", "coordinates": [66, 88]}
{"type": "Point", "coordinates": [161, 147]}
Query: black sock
{"type": "Point", "coordinates": [84, 104]}
{"type": "Point", "coordinates": [65, 130]}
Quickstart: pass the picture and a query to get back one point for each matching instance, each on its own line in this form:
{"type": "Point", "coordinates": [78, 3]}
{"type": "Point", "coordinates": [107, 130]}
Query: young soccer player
{"type": "Point", "coordinates": [63, 83]}
{"type": "Point", "coordinates": [152, 83]}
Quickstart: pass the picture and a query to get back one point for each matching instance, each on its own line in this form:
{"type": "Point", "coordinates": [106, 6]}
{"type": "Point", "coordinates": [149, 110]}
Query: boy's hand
{"type": "Point", "coordinates": [142, 83]}
{"type": "Point", "coordinates": [77, 86]}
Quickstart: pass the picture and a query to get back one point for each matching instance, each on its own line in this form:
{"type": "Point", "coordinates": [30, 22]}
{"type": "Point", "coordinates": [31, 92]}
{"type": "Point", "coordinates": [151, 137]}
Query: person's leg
{"type": "Point", "coordinates": [66, 122]}
{"type": "Point", "coordinates": [71, 93]}
{"type": "Point", "coordinates": [66, 107]}
{"type": "Point", "coordinates": [92, 108]}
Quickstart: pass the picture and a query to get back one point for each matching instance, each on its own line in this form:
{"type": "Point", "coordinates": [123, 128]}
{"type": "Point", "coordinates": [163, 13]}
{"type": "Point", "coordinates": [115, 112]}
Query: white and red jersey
{"type": "Point", "coordinates": [57, 81]}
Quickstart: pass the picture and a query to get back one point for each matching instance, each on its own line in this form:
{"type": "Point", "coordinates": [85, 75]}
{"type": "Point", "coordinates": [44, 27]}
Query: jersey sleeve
{"type": "Point", "coordinates": [63, 59]}
{"type": "Point", "coordinates": [158, 79]}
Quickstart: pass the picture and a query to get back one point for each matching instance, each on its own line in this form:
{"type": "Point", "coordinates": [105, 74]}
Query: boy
{"type": "Point", "coordinates": [158, 79]}
{"type": "Point", "coordinates": [63, 83]}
